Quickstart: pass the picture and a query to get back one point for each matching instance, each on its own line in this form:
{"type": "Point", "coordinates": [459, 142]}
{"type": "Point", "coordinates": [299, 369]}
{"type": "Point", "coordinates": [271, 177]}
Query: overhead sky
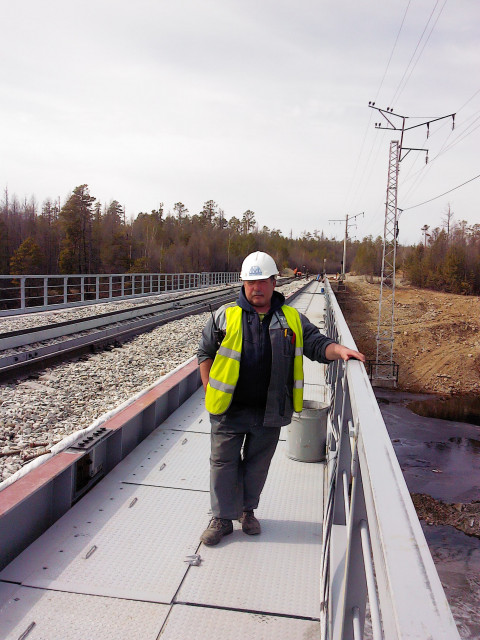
{"type": "Point", "coordinates": [259, 105]}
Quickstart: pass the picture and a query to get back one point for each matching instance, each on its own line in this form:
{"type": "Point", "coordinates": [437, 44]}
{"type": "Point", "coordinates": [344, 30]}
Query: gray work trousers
{"type": "Point", "coordinates": [241, 452]}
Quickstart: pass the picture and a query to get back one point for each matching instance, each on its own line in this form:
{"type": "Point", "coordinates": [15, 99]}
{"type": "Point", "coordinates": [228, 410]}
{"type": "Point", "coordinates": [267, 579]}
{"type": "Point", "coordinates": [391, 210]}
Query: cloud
{"type": "Point", "coordinates": [258, 106]}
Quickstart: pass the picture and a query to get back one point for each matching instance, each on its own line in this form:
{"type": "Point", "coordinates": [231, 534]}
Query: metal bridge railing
{"type": "Point", "coordinates": [376, 565]}
{"type": "Point", "coordinates": [26, 293]}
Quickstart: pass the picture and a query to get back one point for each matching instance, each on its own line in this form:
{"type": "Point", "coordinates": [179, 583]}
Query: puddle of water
{"type": "Point", "coordinates": [448, 470]}
{"type": "Point", "coordinates": [457, 558]}
{"type": "Point", "coordinates": [441, 458]}
{"type": "Point", "coordinates": [456, 408]}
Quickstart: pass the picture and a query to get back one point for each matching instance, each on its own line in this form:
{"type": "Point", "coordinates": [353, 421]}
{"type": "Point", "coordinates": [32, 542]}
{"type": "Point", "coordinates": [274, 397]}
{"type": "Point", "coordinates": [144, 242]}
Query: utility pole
{"type": "Point", "coordinates": [347, 217]}
{"type": "Point", "coordinates": [386, 370]}
{"type": "Point", "coordinates": [448, 216]}
{"type": "Point", "coordinates": [424, 230]}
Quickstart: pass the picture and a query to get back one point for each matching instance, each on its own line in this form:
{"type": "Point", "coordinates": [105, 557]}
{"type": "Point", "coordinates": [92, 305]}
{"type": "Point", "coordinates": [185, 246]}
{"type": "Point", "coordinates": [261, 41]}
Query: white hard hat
{"type": "Point", "coordinates": [258, 266]}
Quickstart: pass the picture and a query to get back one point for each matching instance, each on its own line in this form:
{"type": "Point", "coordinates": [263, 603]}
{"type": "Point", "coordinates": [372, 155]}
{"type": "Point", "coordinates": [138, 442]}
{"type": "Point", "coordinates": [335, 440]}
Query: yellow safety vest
{"type": "Point", "coordinates": [226, 366]}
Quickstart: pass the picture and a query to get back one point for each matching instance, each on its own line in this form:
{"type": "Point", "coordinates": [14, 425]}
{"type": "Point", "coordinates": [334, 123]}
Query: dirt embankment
{"type": "Point", "coordinates": [436, 338]}
{"type": "Point", "coordinates": [437, 345]}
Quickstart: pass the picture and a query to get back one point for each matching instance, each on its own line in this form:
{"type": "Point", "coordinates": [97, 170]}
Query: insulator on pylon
{"type": "Point", "coordinates": [426, 159]}
{"type": "Point", "coordinates": [453, 122]}
{"type": "Point", "coordinates": [428, 129]}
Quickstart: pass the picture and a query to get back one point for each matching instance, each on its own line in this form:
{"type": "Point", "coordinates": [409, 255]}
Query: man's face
{"type": "Point", "coordinates": [259, 293]}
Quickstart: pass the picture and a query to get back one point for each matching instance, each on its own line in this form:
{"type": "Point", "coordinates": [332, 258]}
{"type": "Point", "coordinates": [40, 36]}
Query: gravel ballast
{"type": "Point", "coordinates": [39, 412]}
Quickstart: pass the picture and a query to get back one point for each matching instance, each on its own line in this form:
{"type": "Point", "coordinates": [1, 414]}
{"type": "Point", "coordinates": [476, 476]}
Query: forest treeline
{"type": "Point", "coordinates": [84, 236]}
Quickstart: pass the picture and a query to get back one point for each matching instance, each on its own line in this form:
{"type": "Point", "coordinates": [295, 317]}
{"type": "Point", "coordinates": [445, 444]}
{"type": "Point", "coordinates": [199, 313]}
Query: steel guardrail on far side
{"type": "Point", "coordinates": [28, 293]}
{"type": "Point", "coordinates": [374, 549]}
{"type": "Point", "coordinates": [97, 332]}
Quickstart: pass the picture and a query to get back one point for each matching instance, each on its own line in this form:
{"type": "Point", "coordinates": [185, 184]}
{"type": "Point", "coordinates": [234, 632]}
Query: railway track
{"type": "Point", "coordinates": [38, 408]}
{"type": "Point", "coordinates": [27, 350]}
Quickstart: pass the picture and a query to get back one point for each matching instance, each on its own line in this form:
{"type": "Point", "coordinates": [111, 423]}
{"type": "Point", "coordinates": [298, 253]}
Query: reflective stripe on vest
{"type": "Point", "coordinates": [226, 366]}
{"type": "Point", "coordinates": [293, 319]}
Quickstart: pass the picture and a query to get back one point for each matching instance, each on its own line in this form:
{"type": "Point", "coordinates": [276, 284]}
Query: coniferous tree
{"type": "Point", "coordinates": [27, 259]}
{"type": "Point", "coordinates": [207, 214]}
{"type": "Point", "coordinates": [76, 222]}
{"type": "Point", "coordinates": [248, 222]}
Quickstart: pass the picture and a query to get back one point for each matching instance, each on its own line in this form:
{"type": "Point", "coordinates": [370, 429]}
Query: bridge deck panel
{"type": "Point", "coordinates": [137, 548]}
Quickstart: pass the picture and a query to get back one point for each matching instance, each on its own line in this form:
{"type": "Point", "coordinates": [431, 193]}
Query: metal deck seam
{"type": "Point", "coordinates": [257, 612]}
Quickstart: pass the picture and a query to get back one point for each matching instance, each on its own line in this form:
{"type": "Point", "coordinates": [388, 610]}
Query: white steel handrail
{"type": "Point", "coordinates": [370, 576]}
{"type": "Point", "coordinates": [27, 293]}
{"type": "Point", "coordinates": [374, 548]}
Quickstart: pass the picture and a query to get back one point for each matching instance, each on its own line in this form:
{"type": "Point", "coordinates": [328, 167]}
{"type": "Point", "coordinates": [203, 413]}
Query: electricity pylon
{"type": "Point", "coordinates": [347, 224]}
{"type": "Point", "coordinates": [384, 363]}
{"type": "Point", "coordinates": [385, 368]}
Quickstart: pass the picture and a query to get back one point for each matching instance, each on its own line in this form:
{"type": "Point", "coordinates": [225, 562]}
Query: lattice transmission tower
{"type": "Point", "coordinates": [385, 368]}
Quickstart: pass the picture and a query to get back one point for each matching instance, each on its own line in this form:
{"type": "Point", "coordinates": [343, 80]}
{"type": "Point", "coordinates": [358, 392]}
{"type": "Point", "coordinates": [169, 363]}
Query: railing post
{"type": "Point", "coordinates": [343, 450]}
{"type": "Point", "coordinates": [355, 599]}
{"type": "Point", "coordinates": [22, 293]}
{"type": "Point", "coordinates": [27, 291]}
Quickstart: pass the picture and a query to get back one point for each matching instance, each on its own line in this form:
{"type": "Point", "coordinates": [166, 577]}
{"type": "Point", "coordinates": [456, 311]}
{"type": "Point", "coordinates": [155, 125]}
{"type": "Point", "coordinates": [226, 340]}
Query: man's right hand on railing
{"type": "Point", "coordinates": [336, 351]}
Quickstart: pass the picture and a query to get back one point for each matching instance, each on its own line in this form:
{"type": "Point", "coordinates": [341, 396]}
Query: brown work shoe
{"type": "Point", "coordinates": [215, 531]}
{"type": "Point", "coordinates": [250, 525]}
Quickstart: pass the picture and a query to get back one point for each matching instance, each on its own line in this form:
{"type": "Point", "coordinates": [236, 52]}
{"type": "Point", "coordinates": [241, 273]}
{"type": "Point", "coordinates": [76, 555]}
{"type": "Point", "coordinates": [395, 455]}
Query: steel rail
{"type": "Point", "coordinates": [24, 337]}
{"type": "Point", "coordinates": [102, 330]}
{"type": "Point", "coordinates": [102, 334]}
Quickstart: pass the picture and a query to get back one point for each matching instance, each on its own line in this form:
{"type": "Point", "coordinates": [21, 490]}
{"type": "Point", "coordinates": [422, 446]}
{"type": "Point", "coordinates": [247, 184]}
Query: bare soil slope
{"type": "Point", "coordinates": [437, 345]}
{"type": "Point", "coordinates": [437, 335]}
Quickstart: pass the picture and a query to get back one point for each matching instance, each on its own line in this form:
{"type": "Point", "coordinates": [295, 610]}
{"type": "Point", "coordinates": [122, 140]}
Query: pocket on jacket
{"type": "Point", "coordinates": [288, 339]}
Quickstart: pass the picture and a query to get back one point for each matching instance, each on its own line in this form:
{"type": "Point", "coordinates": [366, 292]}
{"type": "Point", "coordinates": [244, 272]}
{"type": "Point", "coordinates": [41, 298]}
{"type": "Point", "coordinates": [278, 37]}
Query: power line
{"type": "Point", "coordinates": [421, 174]}
{"type": "Point", "coordinates": [446, 146]}
{"type": "Point", "coordinates": [354, 175]}
{"type": "Point", "coordinates": [400, 91]}
{"type": "Point", "coordinates": [442, 194]}
{"type": "Point", "coordinates": [469, 100]}
{"type": "Point", "coordinates": [393, 49]}
{"type": "Point", "coordinates": [460, 138]}
{"type": "Point", "coordinates": [400, 88]}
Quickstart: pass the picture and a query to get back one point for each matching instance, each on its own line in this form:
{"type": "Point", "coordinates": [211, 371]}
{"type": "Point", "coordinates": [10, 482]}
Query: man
{"type": "Point", "coordinates": [250, 358]}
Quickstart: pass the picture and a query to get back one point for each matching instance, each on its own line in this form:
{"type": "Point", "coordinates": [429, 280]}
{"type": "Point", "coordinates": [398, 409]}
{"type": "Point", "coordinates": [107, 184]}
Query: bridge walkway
{"type": "Point", "coordinates": [116, 565]}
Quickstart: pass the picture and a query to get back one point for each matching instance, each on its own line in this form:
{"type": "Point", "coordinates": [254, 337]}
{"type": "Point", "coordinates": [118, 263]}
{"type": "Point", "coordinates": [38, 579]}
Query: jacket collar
{"type": "Point", "coordinates": [277, 301]}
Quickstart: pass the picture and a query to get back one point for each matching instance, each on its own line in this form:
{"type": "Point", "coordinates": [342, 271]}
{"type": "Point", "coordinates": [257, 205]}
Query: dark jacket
{"type": "Point", "coordinates": [266, 368]}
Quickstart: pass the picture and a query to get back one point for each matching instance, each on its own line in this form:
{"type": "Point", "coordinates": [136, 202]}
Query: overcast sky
{"type": "Point", "coordinates": [259, 105]}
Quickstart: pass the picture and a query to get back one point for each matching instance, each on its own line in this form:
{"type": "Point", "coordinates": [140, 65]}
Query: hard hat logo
{"type": "Point", "coordinates": [257, 266]}
{"type": "Point", "coordinates": [255, 271]}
